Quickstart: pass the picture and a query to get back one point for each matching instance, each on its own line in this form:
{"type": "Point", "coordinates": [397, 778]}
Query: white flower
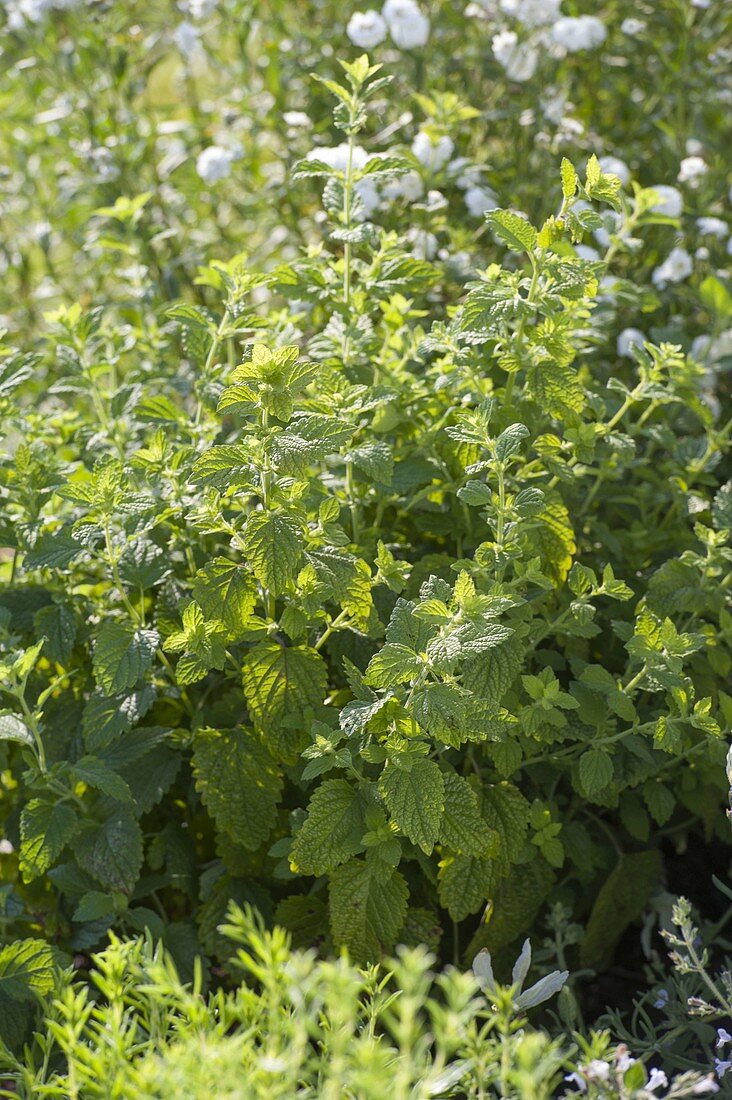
{"type": "Point", "coordinates": [297, 120]}
{"type": "Point", "coordinates": [598, 1070]}
{"type": "Point", "coordinates": [676, 267]}
{"type": "Point", "coordinates": [199, 9]}
{"type": "Point", "coordinates": [723, 1037]}
{"type": "Point", "coordinates": [632, 27]}
{"type": "Point", "coordinates": [532, 13]}
{"type": "Point", "coordinates": [6, 847]}
{"type": "Point", "coordinates": [409, 187]}
{"type": "Point", "coordinates": [629, 338]}
{"type": "Point", "coordinates": [518, 59]}
{"type": "Point", "coordinates": [575, 1079]}
{"type": "Point", "coordinates": [657, 1080]}
{"type": "Point", "coordinates": [614, 166]}
{"type": "Point", "coordinates": [369, 197]}
{"type": "Point", "coordinates": [432, 153]}
{"type": "Point", "coordinates": [581, 32]}
{"type": "Point", "coordinates": [691, 168]}
{"type": "Point", "coordinates": [706, 1085]}
{"type": "Point", "coordinates": [336, 156]}
{"type": "Point", "coordinates": [409, 27]}
{"type": "Point", "coordinates": [712, 227]}
{"type": "Point", "coordinates": [693, 147]}
{"type": "Point", "coordinates": [366, 29]}
{"type": "Point", "coordinates": [214, 164]}
{"type": "Point", "coordinates": [424, 244]}
{"type": "Point", "coordinates": [478, 200]}
{"type": "Point", "coordinates": [186, 38]}
{"type": "Point", "coordinates": [669, 202]}
{"type": "Point", "coordinates": [586, 252]}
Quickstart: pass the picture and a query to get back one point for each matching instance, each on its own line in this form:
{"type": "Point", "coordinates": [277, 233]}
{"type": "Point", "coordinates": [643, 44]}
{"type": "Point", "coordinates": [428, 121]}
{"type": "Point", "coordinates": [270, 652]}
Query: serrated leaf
{"type": "Point", "coordinates": [569, 179]}
{"type": "Point", "coordinates": [415, 797]}
{"type": "Point", "coordinates": [26, 969]}
{"type": "Point", "coordinates": [284, 688]}
{"type": "Point", "coordinates": [366, 911]}
{"type": "Point", "coordinates": [111, 851]}
{"type": "Point", "coordinates": [393, 664]}
{"type": "Point", "coordinates": [595, 771]}
{"type": "Point", "coordinates": [514, 231]}
{"type": "Point", "coordinates": [45, 830]}
{"type": "Point", "coordinates": [462, 827]}
{"type": "Point", "coordinates": [122, 655]}
{"type": "Point", "coordinates": [273, 545]}
{"type": "Point", "coordinates": [333, 830]}
{"type": "Point", "coordinates": [239, 783]}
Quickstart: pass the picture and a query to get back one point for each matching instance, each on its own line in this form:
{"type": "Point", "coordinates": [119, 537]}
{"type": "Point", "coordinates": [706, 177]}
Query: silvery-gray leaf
{"type": "Point", "coordinates": [483, 969]}
{"type": "Point", "coordinates": [521, 966]}
{"type": "Point", "coordinates": [448, 1078]}
{"type": "Point", "coordinates": [543, 989]}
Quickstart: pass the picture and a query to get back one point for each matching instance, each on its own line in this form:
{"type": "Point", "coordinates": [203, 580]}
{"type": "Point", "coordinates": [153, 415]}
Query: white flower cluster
{"type": "Point", "coordinates": [600, 1072]}
{"type": "Point", "coordinates": [549, 32]}
{"type": "Point", "coordinates": [675, 268]}
{"type": "Point", "coordinates": [403, 20]}
{"type": "Point", "coordinates": [214, 163]}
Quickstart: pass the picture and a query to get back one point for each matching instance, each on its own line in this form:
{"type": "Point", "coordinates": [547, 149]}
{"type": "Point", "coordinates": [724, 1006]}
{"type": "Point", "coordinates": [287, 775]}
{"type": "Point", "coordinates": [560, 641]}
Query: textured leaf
{"type": "Point", "coordinates": [13, 728]}
{"type": "Point", "coordinates": [514, 908]}
{"type": "Point", "coordinates": [595, 771]}
{"type": "Point", "coordinates": [239, 783]}
{"type": "Point", "coordinates": [491, 674]}
{"type": "Point", "coordinates": [332, 831]}
{"type": "Point", "coordinates": [393, 664]}
{"type": "Point", "coordinates": [225, 591]}
{"type": "Point", "coordinates": [514, 231]}
{"type": "Point", "coordinates": [273, 545]}
{"type": "Point", "coordinates": [466, 883]}
{"type": "Point", "coordinates": [284, 688]}
{"type": "Point", "coordinates": [462, 827]}
{"type": "Point", "coordinates": [112, 851]}
{"type": "Point", "coordinates": [122, 656]}
{"type": "Point", "coordinates": [26, 969]}
{"type": "Point", "coordinates": [45, 830]}
{"type": "Point", "coordinates": [366, 912]}
{"type": "Point", "coordinates": [415, 797]}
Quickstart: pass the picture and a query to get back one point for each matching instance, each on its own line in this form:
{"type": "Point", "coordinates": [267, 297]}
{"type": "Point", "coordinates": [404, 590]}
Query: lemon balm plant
{"type": "Point", "coordinates": [390, 604]}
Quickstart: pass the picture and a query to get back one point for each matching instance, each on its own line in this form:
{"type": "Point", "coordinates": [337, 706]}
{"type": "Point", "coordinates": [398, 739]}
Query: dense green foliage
{"type": "Point", "coordinates": [299, 1026]}
{"type": "Point", "coordinates": [365, 563]}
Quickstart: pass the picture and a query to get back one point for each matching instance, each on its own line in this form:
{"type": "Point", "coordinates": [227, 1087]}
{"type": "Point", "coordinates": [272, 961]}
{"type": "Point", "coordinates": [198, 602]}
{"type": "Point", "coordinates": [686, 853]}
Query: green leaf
{"type": "Point", "coordinates": [284, 688]}
{"type": "Point", "coordinates": [333, 830]}
{"type": "Point", "coordinates": [45, 830]}
{"type": "Point", "coordinates": [26, 969]}
{"type": "Point", "coordinates": [93, 906]}
{"type": "Point", "coordinates": [273, 545]}
{"type": "Point", "coordinates": [13, 728]}
{"type": "Point", "coordinates": [122, 655]}
{"type": "Point", "coordinates": [466, 883]}
{"type": "Point", "coordinates": [569, 179]}
{"type": "Point", "coordinates": [393, 664]}
{"type": "Point", "coordinates": [414, 792]}
{"type": "Point", "coordinates": [95, 773]}
{"type": "Point", "coordinates": [366, 910]}
{"type": "Point", "coordinates": [514, 908]}
{"type": "Point", "coordinates": [112, 851]}
{"type": "Point", "coordinates": [239, 783]}
{"type": "Point", "coordinates": [222, 466]}
{"type": "Point", "coordinates": [514, 231]}
{"type": "Point", "coordinates": [225, 591]}
{"type": "Point", "coordinates": [595, 771]}
{"type": "Point", "coordinates": [620, 901]}
{"type": "Point", "coordinates": [462, 827]}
